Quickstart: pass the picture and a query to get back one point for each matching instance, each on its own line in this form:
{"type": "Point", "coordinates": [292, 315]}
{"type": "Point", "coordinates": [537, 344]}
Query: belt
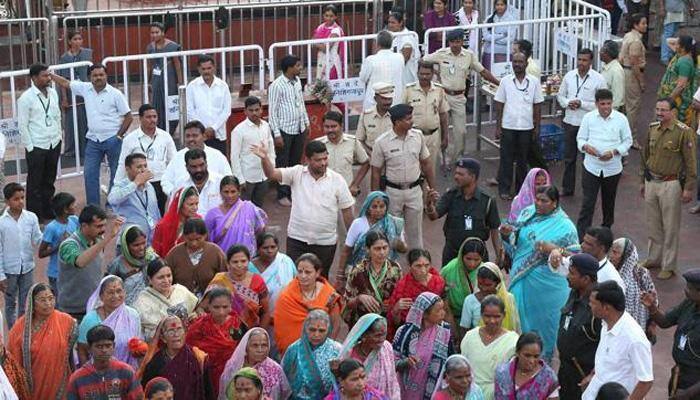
{"type": "Point", "coordinates": [454, 92]}
{"type": "Point", "coordinates": [630, 67]}
{"type": "Point", "coordinates": [664, 178]}
{"type": "Point", "coordinates": [427, 132]}
{"type": "Point", "coordinates": [403, 186]}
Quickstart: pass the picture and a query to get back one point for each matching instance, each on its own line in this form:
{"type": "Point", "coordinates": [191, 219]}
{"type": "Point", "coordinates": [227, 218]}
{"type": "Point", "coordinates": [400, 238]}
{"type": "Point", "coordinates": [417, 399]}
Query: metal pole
{"type": "Point", "coordinates": [377, 14]}
{"type": "Point", "coordinates": [182, 103]}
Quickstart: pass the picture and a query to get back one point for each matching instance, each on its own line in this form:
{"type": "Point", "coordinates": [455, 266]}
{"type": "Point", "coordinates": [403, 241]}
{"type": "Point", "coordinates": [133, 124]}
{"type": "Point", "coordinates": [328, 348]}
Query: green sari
{"type": "Point", "coordinates": [460, 283]}
{"type": "Point", "coordinates": [680, 67]}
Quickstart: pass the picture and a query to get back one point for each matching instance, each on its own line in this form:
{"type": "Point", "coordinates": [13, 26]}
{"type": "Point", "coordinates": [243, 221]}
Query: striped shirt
{"type": "Point", "coordinates": [287, 109]}
{"type": "Point", "coordinates": [117, 382]}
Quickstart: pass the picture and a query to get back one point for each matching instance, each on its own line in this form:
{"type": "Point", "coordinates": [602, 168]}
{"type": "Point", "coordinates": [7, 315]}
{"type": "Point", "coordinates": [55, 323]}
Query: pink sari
{"type": "Point", "coordinates": [330, 66]}
{"type": "Point", "coordinates": [526, 195]}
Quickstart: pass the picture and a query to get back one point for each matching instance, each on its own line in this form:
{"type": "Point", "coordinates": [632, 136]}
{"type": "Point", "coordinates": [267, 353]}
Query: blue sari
{"type": "Point", "coordinates": [390, 225]}
{"type": "Point", "coordinates": [539, 292]}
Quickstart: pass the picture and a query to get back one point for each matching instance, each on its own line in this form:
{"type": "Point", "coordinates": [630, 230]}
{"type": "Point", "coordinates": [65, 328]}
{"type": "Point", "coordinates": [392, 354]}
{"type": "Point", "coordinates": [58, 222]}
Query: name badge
{"type": "Point", "coordinates": [150, 221]}
{"type": "Point", "coordinates": [157, 71]}
{"type": "Point", "coordinates": [468, 223]}
{"type": "Point", "coordinates": [567, 321]}
{"type": "Point", "coordinates": [682, 341]}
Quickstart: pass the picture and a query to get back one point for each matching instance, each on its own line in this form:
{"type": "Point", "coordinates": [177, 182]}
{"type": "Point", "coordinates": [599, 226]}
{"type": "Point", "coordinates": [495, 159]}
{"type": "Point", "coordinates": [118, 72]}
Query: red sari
{"type": "Point", "coordinates": [168, 231]}
{"type": "Point", "coordinates": [218, 341]}
{"type": "Point", "coordinates": [409, 288]}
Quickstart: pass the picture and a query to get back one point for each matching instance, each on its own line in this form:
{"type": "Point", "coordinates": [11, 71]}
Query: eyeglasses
{"type": "Point", "coordinates": [174, 332]}
{"type": "Point", "coordinates": [45, 300]}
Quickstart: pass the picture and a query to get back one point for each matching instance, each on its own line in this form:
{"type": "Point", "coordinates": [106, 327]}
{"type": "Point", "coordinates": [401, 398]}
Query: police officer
{"type": "Point", "coordinates": [685, 376]}
{"type": "Point", "coordinates": [470, 212]}
{"type": "Point", "coordinates": [455, 66]}
{"type": "Point", "coordinates": [376, 120]}
{"type": "Point", "coordinates": [669, 177]}
{"type": "Point", "coordinates": [579, 331]}
{"type": "Point", "coordinates": [430, 109]}
{"type": "Point", "coordinates": [401, 160]}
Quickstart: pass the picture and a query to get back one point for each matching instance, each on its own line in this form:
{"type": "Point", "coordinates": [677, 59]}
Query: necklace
{"type": "Point", "coordinates": [36, 325]}
{"type": "Point", "coordinates": [312, 295]}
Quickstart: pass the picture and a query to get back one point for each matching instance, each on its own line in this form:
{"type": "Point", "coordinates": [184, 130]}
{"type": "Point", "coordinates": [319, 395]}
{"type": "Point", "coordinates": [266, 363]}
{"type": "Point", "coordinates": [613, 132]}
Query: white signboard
{"type": "Point", "coordinates": [565, 42]}
{"type": "Point", "coordinates": [347, 90]}
{"type": "Point", "coordinates": [172, 108]}
{"type": "Point", "coordinates": [501, 69]}
{"type": "Point", "coordinates": [10, 129]}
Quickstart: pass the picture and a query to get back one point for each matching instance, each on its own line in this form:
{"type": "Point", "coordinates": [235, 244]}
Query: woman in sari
{"type": "Point", "coordinates": [131, 264]}
{"type": "Point", "coordinates": [249, 296]}
{"type": "Point", "coordinates": [162, 89]}
{"type": "Point", "coordinates": [306, 362]}
{"type": "Point", "coordinates": [75, 53]}
{"type": "Point", "coordinates": [158, 389]}
{"type": "Point", "coordinates": [308, 291]}
{"type": "Point", "coordinates": [43, 338]}
{"type": "Point", "coordinates": [254, 351]}
{"type": "Point", "coordinates": [526, 376]}
{"type": "Point", "coordinates": [374, 216]}
{"type": "Point", "coordinates": [490, 280]}
{"type": "Point", "coordinates": [186, 367]}
{"type": "Point", "coordinates": [161, 298]}
{"type": "Point", "coordinates": [460, 274]}
{"type": "Point", "coordinates": [195, 261]}
{"type": "Point", "coordinates": [330, 66]}
{"type": "Point", "coordinates": [536, 177]}
{"type": "Point", "coordinates": [246, 384]}
{"type": "Point", "coordinates": [217, 332]}
{"type": "Point", "coordinates": [422, 346]}
{"type": "Point", "coordinates": [235, 221]}
{"type": "Point", "coordinates": [275, 267]}
{"type": "Point", "coordinates": [406, 44]}
{"type": "Point", "coordinates": [438, 17]}
{"type": "Point", "coordinates": [421, 277]}
{"type": "Point", "coordinates": [456, 381]}
{"type": "Point", "coordinates": [167, 233]}
{"type": "Point", "coordinates": [366, 343]}
{"type": "Point", "coordinates": [16, 375]}
{"type": "Point", "coordinates": [352, 383]}
{"type": "Point", "coordinates": [678, 82]}
{"type": "Point", "coordinates": [106, 307]}
{"type": "Point", "coordinates": [490, 345]}
{"type": "Point", "coordinates": [539, 292]}
{"type": "Point", "coordinates": [371, 282]}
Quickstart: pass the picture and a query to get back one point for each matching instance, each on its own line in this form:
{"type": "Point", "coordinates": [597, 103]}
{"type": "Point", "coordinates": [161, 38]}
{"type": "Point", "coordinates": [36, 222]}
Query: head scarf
{"type": "Point", "coordinates": [511, 321]}
{"type": "Point", "coordinates": [391, 226]}
{"type": "Point", "coordinates": [155, 381]}
{"type": "Point", "coordinates": [124, 248]}
{"type": "Point", "coordinates": [526, 195]}
{"type": "Point", "coordinates": [474, 392]}
{"type": "Point", "coordinates": [636, 279]}
{"type": "Point", "coordinates": [460, 283]}
{"type": "Point", "coordinates": [168, 229]}
{"type": "Point", "coordinates": [246, 372]}
{"type": "Point", "coordinates": [358, 330]}
{"type": "Point", "coordinates": [422, 304]}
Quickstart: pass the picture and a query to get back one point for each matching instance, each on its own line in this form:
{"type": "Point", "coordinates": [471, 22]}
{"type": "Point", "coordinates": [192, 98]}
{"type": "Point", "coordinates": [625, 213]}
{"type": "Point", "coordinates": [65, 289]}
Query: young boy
{"type": "Point", "coordinates": [66, 222]}
{"type": "Point", "coordinates": [19, 236]}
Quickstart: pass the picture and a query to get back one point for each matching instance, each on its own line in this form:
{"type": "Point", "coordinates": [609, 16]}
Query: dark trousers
{"type": "Point", "coordinates": [514, 147]}
{"type": "Point", "coordinates": [568, 184]}
{"type": "Point", "coordinates": [569, 378]}
{"type": "Point", "coordinates": [535, 159]}
{"type": "Point", "coordinates": [41, 176]}
{"type": "Point", "coordinates": [289, 157]}
{"type": "Point", "coordinates": [161, 197]}
{"type": "Point", "coordinates": [296, 248]}
{"type": "Point", "coordinates": [608, 190]}
{"type": "Point", "coordinates": [255, 192]}
{"type": "Point", "coordinates": [217, 144]}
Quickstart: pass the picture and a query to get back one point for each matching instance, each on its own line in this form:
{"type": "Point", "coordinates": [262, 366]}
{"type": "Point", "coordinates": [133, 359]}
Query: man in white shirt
{"type": "Point", "coordinates": [604, 137]}
{"type": "Point", "coordinates": [384, 66]}
{"type": "Point", "coordinates": [624, 352]}
{"type": "Point", "coordinates": [108, 117]}
{"type": "Point", "coordinates": [613, 73]}
{"type": "Point", "coordinates": [198, 175]}
{"type": "Point", "coordinates": [156, 144]}
{"type": "Point", "coordinates": [318, 194]}
{"type": "Point", "coordinates": [596, 242]}
{"type": "Point", "coordinates": [245, 164]}
{"type": "Point", "coordinates": [577, 96]}
{"type": "Point", "coordinates": [39, 121]}
{"type": "Point", "coordinates": [194, 139]}
{"type": "Point", "coordinates": [209, 102]}
{"type": "Point", "coordinates": [518, 109]}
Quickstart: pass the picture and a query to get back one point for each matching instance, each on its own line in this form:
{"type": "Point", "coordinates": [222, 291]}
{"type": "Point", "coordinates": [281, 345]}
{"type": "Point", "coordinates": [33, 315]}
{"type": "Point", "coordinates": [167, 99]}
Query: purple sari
{"type": "Point", "coordinates": [238, 226]}
{"type": "Point", "coordinates": [539, 387]}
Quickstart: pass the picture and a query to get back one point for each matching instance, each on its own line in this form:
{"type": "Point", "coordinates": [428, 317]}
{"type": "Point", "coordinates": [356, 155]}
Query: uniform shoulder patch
{"type": "Point", "coordinates": [438, 84]}
{"type": "Point", "coordinates": [411, 84]}
{"type": "Point", "coordinates": [369, 110]}
{"type": "Point", "coordinates": [682, 125]}
{"type": "Point", "coordinates": [655, 123]}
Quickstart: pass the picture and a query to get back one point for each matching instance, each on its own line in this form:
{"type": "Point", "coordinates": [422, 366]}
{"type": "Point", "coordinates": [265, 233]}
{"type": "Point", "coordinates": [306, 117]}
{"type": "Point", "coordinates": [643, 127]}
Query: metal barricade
{"type": "Point", "coordinates": [133, 83]}
{"type": "Point", "coordinates": [23, 42]}
{"type": "Point", "coordinates": [17, 82]}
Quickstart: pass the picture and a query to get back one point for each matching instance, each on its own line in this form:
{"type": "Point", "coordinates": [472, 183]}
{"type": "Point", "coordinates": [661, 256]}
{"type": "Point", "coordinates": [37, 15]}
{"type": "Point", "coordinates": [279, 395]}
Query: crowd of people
{"type": "Point", "coordinates": [201, 303]}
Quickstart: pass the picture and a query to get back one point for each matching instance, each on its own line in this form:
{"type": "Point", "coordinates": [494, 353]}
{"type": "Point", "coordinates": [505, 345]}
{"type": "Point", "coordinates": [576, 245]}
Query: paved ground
{"type": "Point", "coordinates": [630, 223]}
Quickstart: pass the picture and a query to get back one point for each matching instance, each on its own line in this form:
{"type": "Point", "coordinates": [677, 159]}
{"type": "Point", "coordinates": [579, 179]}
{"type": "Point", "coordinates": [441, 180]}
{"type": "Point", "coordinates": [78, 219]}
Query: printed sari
{"type": "Point", "coordinates": [46, 352]}
{"type": "Point", "coordinates": [539, 387]}
{"type": "Point", "coordinates": [153, 306]}
{"type": "Point", "coordinates": [539, 292]}
{"type": "Point", "coordinates": [390, 225]}
{"type": "Point", "coordinates": [248, 302]}
{"type": "Point", "coordinates": [526, 195]}
{"type": "Point", "coordinates": [15, 374]}
{"type": "Point", "coordinates": [237, 226]}
{"type": "Point", "coordinates": [442, 388]}
{"type": "Point", "coordinates": [274, 381]}
{"type": "Point", "coordinates": [330, 65]}
{"type": "Point", "coordinates": [379, 364]}
{"type": "Point", "coordinates": [409, 288]}
{"type": "Point", "coordinates": [362, 280]}
{"type": "Point", "coordinates": [369, 393]}
{"type": "Point", "coordinates": [460, 283]}
{"type": "Point", "coordinates": [637, 281]}
{"type": "Point", "coordinates": [168, 232]}
{"type": "Point", "coordinates": [680, 66]}
{"type": "Point", "coordinates": [431, 346]}
{"type": "Point", "coordinates": [130, 269]}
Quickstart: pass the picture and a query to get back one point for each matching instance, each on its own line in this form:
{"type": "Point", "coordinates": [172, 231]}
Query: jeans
{"type": "Point", "coordinates": [17, 287]}
{"type": "Point", "coordinates": [94, 154]}
{"type": "Point", "coordinates": [669, 32]}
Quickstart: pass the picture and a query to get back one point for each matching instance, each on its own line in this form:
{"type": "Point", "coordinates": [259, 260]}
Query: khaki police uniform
{"type": "Point", "coordinates": [454, 71]}
{"type": "Point", "coordinates": [400, 158]}
{"type": "Point", "coordinates": [668, 156]}
{"type": "Point", "coordinates": [632, 51]}
{"type": "Point", "coordinates": [345, 153]}
{"type": "Point", "coordinates": [371, 125]}
{"type": "Point", "coordinates": [427, 107]}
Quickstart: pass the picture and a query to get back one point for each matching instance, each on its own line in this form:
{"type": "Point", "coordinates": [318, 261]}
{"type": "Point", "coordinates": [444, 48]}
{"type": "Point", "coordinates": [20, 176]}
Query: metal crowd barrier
{"type": "Point", "coordinates": [23, 42]}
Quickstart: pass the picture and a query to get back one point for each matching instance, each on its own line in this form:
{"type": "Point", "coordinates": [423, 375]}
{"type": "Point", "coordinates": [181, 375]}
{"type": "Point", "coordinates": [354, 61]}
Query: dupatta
{"type": "Point", "coordinates": [169, 229]}
{"type": "Point", "coordinates": [134, 280]}
{"type": "Point", "coordinates": [460, 282]}
{"type": "Point", "coordinates": [330, 66]}
{"type": "Point", "coordinates": [389, 225]}
{"type": "Point", "coordinates": [526, 195]}
{"type": "Point", "coordinates": [409, 288]}
{"type": "Point", "coordinates": [245, 301]}
{"type": "Point", "coordinates": [511, 321]}
{"type": "Point", "coordinates": [278, 275]}
{"type": "Point", "coordinates": [124, 324]}
{"type": "Point", "coordinates": [474, 392]}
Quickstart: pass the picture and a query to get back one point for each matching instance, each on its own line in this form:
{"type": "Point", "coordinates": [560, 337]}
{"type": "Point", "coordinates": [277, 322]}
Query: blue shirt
{"type": "Point", "coordinates": [54, 233]}
{"type": "Point", "coordinates": [139, 206]}
{"type": "Point", "coordinates": [105, 109]}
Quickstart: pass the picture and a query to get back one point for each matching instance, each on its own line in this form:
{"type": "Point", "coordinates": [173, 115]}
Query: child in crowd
{"type": "Point", "coordinates": [66, 222]}
{"type": "Point", "coordinates": [19, 235]}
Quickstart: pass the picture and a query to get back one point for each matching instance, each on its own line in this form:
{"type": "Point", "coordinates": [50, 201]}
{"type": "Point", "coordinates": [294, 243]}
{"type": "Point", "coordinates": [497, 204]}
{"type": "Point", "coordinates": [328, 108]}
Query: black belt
{"type": "Point", "coordinates": [429, 132]}
{"type": "Point", "coordinates": [403, 186]}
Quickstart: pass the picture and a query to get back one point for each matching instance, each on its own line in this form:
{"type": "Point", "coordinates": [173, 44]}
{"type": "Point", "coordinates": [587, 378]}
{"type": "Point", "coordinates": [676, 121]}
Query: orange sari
{"type": "Point", "coordinates": [47, 363]}
{"type": "Point", "coordinates": [291, 310]}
